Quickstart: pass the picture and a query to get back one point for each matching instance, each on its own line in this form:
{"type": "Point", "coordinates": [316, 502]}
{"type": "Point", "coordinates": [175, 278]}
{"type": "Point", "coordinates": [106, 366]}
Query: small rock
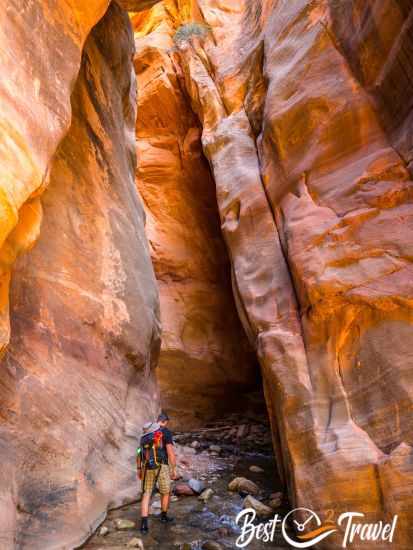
{"type": "Point", "coordinates": [206, 494]}
{"type": "Point", "coordinates": [215, 448]}
{"type": "Point", "coordinates": [256, 469]}
{"type": "Point", "coordinates": [124, 524]}
{"type": "Point", "coordinates": [244, 485]}
{"type": "Point", "coordinates": [211, 545]}
{"type": "Point", "coordinates": [188, 450]}
{"type": "Point", "coordinates": [195, 444]}
{"type": "Point", "coordinates": [275, 500]}
{"type": "Point", "coordinates": [135, 543]}
{"type": "Point", "coordinates": [103, 531]}
{"type": "Point", "coordinates": [197, 485]}
{"type": "Point", "coordinates": [263, 511]}
{"type": "Point", "coordinates": [242, 431]}
{"type": "Point", "coordinates": [156, 504]}
{"type": "Point", "coordinates": [174, 498]}
{"type": "Point", "coordinates": [183, 489]}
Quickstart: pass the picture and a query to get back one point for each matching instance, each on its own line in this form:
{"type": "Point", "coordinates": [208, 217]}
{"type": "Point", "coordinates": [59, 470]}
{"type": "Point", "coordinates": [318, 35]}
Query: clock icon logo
{"type": "Point", "coordinates": [311, 523]}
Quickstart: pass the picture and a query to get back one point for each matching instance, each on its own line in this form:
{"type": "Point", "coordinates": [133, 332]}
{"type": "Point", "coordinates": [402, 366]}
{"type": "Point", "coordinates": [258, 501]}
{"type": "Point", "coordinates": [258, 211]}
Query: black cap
{"type": "Point", "coordinates": [163, 417]}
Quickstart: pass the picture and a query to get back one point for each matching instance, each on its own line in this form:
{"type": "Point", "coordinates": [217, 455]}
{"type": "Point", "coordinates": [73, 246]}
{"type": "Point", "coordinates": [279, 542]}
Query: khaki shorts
{"type": "Point", "coordinates": [164, 480]}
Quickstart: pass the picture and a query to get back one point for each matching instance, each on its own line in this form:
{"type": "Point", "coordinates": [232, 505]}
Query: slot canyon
{"type": "Point", "coordinates": [202, 200]}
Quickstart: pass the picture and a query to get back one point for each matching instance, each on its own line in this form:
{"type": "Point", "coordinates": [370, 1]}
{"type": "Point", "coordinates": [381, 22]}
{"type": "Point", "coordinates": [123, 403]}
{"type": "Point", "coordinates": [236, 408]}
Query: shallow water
{"type": "Point", "coordinates": [197, 522]}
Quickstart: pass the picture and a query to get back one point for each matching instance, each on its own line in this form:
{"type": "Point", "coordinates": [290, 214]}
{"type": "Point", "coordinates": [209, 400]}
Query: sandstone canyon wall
{"type": "Point", "coordinates": [205, 365]}
{"type": "Point", "coordinates": [77, 378]}
{"type": "Point", "coordinates": [305, 109]}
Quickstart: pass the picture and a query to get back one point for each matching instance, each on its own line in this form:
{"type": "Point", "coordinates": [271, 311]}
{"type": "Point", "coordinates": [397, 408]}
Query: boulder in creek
{"type": "Point", "coordinates": [197, 485]}
{"type": "Point", "coordinates": [183, 489]}
{"type": "Point", "coordinates": [242, 484]}
{"type": "Point", "coordinates": [124, 524]}
{"type": "Point", "coordinates": [256, 469]}
{"type": "Point", "coordinates": [263, 511]}
{"type": "Point", "coordinates": [206, 494]}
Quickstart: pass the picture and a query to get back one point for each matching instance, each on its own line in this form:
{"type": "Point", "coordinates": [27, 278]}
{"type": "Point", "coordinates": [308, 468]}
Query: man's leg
{"type": "Point", "coordinates": [147, 486]}
{"type": "Point", "coordinates": [146, 498]}
{"type": "Point", "coordinates": [165, 490]}
{"type": "Point", "coordinates": [165, 502]}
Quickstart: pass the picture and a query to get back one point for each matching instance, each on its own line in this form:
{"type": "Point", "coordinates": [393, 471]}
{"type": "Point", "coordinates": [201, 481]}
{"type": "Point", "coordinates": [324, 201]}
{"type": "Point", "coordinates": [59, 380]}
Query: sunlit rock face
{"type": "Point", "coordinates": [306, 125]}
{"type": "Point", "coordinates": [205, 363]}
{"type": "Point", "coordinates": [41, 45]}
{"type": "Point", "coordinates": [77, 378]}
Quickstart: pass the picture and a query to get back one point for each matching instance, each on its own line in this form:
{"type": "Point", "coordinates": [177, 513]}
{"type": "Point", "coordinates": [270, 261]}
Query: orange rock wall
{"type": "Point", "coordinates": [205, 363]}
{"type": "Point", "coordinates": [306, 127]}
{"type": "Point", "coordinates": [77, 378]}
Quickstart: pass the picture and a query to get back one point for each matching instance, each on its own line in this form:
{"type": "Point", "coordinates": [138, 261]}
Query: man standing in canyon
{"type": "Point", "coordinates": [156, 462]}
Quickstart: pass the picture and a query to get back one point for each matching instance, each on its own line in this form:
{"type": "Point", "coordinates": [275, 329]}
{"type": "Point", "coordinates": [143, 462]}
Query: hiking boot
{"type": "Point", "coordinates": [144, 525]}
{"type": "Point", "coordinates": [165, 518]}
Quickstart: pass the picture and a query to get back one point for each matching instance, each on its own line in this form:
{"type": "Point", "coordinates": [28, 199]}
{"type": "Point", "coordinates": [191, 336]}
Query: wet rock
{"type": "Point", "coordinates": [197, 485]}
{"type": "Point", "coordinates": [256, 469]}
{"type": "Point", "coordinates": [206, 494]}
{"type": "Point", "coordinates": [188, 450]}
{"type": "Point", "coordinates": [275, 500]}
{"type": "Point", "coordinates": [156, 504]}
{"type": "Point", "coordinates": [124, 524]}
{"type": "Point", "coordinates": [103, 531]}
{"type": "Point", "coordinates": [244, 485]}
{"type": "Point", "coordinates": [183, 489]}
{"type": "Point", "coordinates": [135, 543]}
{"type": "Point", "coordinates": [215, 448]}
{"type": "Point", "coordinates": [195, 444]}
{"type": "Point", "coordinates": [263, 511]}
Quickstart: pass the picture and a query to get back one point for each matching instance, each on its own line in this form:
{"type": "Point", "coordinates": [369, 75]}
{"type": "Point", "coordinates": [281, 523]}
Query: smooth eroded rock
{"type": "Point", "coordinates": [78, 374]}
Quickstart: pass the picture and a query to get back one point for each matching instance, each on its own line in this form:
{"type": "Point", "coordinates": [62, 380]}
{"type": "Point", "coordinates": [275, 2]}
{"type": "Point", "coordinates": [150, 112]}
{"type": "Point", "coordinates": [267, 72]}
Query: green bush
{"type": "Point", "coordinates": [184, 32]}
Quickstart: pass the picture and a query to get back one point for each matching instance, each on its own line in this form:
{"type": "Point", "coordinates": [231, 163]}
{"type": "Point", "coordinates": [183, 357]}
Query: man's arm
{"type": "Point", "coordinates": [171, 459]}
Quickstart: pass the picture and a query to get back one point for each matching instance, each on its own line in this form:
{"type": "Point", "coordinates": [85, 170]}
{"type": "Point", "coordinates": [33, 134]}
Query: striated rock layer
{"type": "Point", "coordinates": [306, 125]}
{"type": "Point", "coordinates": [205, 363]}
{"type": "Point", "coordinates": [77, 379]}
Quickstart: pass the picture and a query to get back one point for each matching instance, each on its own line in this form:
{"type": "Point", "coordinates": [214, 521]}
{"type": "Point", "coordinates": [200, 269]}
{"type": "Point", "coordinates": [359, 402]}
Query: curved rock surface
{"type": "Point", "coordinates": [41, 47]}
{"type": "Point", "coordinates": [311, 164]}
{"type": "Point", "coordinates": [205, 364]}
{"type": "Point", "coordinates": [77, 379]}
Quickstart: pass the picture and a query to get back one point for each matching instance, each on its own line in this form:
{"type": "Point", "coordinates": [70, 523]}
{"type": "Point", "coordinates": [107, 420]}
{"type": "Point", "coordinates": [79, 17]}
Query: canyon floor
{"type": "Point", "coordinates": [197, 524]}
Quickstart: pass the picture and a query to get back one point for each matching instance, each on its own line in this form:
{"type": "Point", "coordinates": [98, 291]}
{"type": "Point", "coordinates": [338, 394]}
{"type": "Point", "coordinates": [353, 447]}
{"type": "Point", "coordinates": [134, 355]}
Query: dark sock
{"type": "Point", "coordinates": [164, 514]}
{"type": "Point", "coordinates": [144, 523]}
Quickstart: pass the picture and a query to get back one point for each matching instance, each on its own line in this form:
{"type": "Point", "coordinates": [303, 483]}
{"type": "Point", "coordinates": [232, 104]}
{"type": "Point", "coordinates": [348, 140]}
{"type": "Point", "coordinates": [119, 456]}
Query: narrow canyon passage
{"type": "Point", "coordinates": [201, 200]}
{"type": "Point", "coordinates": [206, 365]}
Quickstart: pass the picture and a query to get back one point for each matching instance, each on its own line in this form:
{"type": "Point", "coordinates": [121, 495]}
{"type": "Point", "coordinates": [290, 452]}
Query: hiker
{"type": "Point", "coordinates": [156, 463]}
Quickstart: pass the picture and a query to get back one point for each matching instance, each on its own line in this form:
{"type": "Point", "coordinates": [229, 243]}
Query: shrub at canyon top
{"type": "Point", "coordinates": [187, 31]}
